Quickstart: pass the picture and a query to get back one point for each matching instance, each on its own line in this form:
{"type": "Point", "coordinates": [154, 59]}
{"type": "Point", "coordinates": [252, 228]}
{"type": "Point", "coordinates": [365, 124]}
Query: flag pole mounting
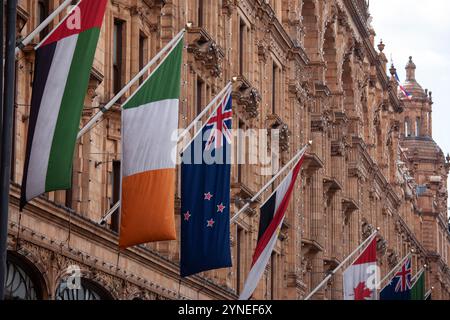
{"type": "Point", "coordinates": [332, 273]}
{"type": "Point", "coordinates": [225, 90]}
{"type": "Point", "coordinates": [168, 48]}
{"type": "Point", "coordinates": [27, 40]}
{"type": "Point", "coordinates": [268, 184]}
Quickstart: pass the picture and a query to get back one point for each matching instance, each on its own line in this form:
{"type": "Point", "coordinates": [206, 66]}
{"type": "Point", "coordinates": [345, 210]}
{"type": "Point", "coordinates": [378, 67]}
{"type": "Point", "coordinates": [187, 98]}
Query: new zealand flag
{"type": "Point", "coordinates": [205, 195]}
{"type": "Point", "coordinates": [400, 286]}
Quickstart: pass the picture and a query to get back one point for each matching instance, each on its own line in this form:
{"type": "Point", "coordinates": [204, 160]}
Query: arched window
{"type": "Point", "coordinates": [23, 281]}
{"type": "Point", "coordinates": [407, 132]}
{"type": "Point", "coordinates": [88, 290]}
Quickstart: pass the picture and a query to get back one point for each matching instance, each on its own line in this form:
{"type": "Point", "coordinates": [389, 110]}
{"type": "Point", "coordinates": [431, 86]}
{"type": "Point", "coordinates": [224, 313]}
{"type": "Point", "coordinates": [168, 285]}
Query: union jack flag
{"type": "Point", "coordinates": [404, 277]}
{"type": "Point", "coordinates": [219, 125]}
{"type": "Point", "coordinates": [399, 288]}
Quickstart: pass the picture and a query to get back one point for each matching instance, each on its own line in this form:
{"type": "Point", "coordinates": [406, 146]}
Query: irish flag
{"type": "Point", "coordinates": [63, 65]}
{"type": "Point", "coordinates": [149, 141]}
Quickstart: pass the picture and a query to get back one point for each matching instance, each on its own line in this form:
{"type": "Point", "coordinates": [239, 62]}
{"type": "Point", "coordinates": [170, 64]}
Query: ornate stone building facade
{"type": "Point", "coordinates": [307, 67]}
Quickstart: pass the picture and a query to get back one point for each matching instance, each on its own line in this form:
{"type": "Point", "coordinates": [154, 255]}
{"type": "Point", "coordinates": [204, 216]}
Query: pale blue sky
{"type": "Point", "coordinates": [420, 29]}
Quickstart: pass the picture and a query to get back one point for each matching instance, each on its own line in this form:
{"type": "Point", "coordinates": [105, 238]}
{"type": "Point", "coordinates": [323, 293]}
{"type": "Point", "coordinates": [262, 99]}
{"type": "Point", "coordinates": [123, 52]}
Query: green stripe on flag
{"type": "Point", "coordinates": [418, 289]}
{"type": "Point", "coordinates": [164, 84]}
{"type": "Point", "coordinates": [59, 172]}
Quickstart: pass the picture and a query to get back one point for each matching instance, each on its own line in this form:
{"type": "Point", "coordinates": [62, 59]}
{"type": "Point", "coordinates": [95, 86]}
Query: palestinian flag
{"type": "Point", "coordinates": [149, 144]}
{"type": "Point", "coordinates": [63, 65]}
{"type": "Point", "coordinates": [272, 216]}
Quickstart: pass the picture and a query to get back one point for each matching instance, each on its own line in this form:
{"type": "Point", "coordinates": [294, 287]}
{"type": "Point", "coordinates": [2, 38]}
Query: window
{"type": "Point", "coordinates": [241, 144]}
{"type": "Point", "coordinates": [69, 198]}
{"type": "Point", "coordinates": [199, 95]}
{"type": "Point", "coordinates": [407, 133]}
{"type": "Point", "coordinates": [275, 85]}
{"type": "Point", "coordinates": [42, 14]}
{"type": "Point", "coordinates": [417, 127]}
{"type": "Point", "coordinates": [239, 239]}
{"type": "Point", "coordinates": [143, 53]}
{"type": "Point", "coordinates": [115, 195]}
{"type": "Point", "coordinates": [200, 13]}
{"type": "Point", "coordinates": [23, 281]}
{"type": "Point", "coordinates": [242, 32]}
{"type": "Point", "coordinates": [117, 55]}
{"type": "Point", "coordinates": [87, 290]}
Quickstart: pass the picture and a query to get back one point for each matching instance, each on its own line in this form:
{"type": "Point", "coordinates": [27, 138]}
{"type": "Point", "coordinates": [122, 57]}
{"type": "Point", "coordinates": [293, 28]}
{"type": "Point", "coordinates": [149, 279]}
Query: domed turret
{"type": "Point", "coordinates": [411, 85]}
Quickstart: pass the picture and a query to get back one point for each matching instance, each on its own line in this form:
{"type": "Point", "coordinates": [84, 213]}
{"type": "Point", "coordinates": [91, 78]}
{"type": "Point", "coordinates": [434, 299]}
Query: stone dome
{"type": "Point", "coordinates": [411, 85]}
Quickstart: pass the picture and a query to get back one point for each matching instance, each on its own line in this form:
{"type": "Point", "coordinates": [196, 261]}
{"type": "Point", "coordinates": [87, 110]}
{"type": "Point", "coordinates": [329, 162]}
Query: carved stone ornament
{"type": "Point", "coordinates": [274, 122]}
{"type": "Point", "coordinates": [206, 51]}
{"type": "Point", "coordinates": [247, 96]}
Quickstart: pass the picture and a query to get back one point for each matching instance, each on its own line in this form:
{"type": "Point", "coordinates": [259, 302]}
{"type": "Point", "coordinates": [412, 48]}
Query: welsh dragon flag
{"type": "Point", "coordinates": [63, 65]}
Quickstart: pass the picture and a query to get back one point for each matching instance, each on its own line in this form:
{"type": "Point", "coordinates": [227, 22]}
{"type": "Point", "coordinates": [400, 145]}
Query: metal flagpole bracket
{"type": "Point", "coordinates": [221, 94]}
{"type": "Point", "coordinates": [110, 212]}
{"type": "Point", "coordinates": [168, 48]}
{"type": "Point", "coordinates": [393, 270]}
{"type": "Point", "coordinates": [27, 40]}
{"type": "Point", "coordinates": [225, 90]}
{"type": "Point", "coordinates": [268, 184]}
{"type": "Point", "coordinates": [327, 278]}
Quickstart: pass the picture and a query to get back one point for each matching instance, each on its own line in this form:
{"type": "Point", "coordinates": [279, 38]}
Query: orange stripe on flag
{"type": "Point", "coordinates": [148, 210]}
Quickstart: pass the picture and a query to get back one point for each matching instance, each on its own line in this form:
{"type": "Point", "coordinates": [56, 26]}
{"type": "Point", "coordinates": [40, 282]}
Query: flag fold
{"type": "Point", "coordinates": [359, 278]}
{"type": "Point", "coordinates": [272, 215]}
{"type": "Point", "coordinates": [63, 66]}
{"type": "Point", "coordinates": [149, 140]}
{"type": "Point", "coordinates": [205, 195]}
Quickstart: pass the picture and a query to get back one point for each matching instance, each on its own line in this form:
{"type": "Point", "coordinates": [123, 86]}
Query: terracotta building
{"type": "Point", "coordinates": [308, 68]}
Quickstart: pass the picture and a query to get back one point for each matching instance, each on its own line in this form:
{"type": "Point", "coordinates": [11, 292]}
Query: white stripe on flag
{"type": "Point", "coordinates": [282, 189]}
{"type": "Point", "coordinates": [149, 139]}
{"type": "Point", "coordinates": [260, 265]}
{"type": "Point", "coordinates": [48, 116]}
{"type": "Point", "coordinates": [258, 268]}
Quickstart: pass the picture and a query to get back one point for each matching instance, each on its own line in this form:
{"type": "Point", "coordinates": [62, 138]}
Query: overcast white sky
{"type": "Point", "coordinates": [420, 29]}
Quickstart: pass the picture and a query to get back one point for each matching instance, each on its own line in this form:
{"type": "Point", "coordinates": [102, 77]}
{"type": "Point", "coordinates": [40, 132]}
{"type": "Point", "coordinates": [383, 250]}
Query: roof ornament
{"type": "Point", "coordinates": [410, 70]}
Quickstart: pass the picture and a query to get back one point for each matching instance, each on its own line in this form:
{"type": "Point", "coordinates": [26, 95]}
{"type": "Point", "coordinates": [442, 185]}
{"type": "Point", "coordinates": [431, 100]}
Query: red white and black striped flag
{"type": "Point", "coordinates": [63, 66]}
{"type": "Point", "coordinates": [271, 219]}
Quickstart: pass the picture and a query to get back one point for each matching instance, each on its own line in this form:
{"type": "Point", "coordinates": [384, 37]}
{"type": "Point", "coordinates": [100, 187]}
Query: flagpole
{"type": "Point", "coordinates": [23, 43]}
{"type": "Point", "coordinates": [209, 106]}
{"type": "Point", "coordinates": [7, 137]}
{"type": "Point", "coordinates": [169, 47]}
{"type": "Point", "coordinates": [429, 292]}
{"type": "Point", "coordinates": [417, 276]}
{"type": "Point", "coordinates": [111, 211]}
{"type": "Point", "coordinates": [268, 184]}
{"type": "Point", "coordinates": [393, 270]}
{"type": "Point", "coordinates": [327, 278]}
{"type": "Point", "coordinates": [57, 26]}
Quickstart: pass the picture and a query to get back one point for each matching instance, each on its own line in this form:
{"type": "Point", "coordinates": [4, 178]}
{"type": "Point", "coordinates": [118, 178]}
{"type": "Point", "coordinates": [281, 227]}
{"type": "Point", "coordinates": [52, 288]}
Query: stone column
{"type": "Point", "coordinates": [317, 231]}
